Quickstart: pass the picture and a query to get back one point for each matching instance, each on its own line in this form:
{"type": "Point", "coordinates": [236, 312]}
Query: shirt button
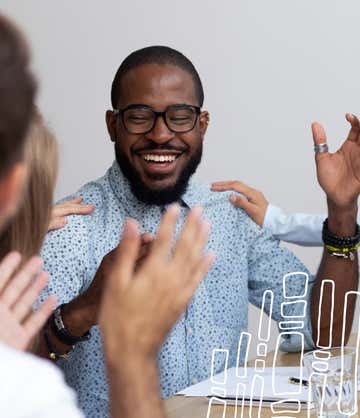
{"type": "Point", "coordinates": [194, 381]}
{"type": "Point", "coordinates": [190, 330]}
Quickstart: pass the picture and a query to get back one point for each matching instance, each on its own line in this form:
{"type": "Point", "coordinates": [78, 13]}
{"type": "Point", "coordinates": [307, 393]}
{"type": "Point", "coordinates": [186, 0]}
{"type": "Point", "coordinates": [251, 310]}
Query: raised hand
{"type": "Point", "coordinates": [71, 207]}
{"type": "Point", "coordinates": [19, 289]}
{"type": "Point", "coordinates": [338, 173]}
{"type": "Point", "coordinates": [251, 200]}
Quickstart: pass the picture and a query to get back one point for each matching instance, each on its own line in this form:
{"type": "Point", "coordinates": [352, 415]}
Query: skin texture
{"type": "Point", "coordinates": [251, 200]}
{"type": "Point", "coordinates": [19, 289]}
{"type": "Point", "coordinates": [71, 207]}
{"type": "Point", "coordinates": [157, 86]}
{"type": "Point", "coordinates": [339, 176]}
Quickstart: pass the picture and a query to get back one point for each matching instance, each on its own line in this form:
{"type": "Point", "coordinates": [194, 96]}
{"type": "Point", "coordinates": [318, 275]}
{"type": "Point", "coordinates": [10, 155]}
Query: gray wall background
{"type": "Point", "coordinates": [269, 68]}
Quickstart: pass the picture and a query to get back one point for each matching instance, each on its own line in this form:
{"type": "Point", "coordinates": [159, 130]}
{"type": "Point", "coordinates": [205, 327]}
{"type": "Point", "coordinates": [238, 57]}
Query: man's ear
{"type": "Point", "coordinates": [11, 190]}
{"type": "Point", "coordinates": [111, 124]}
{"type": "Point", "coordinates": [204, 120]}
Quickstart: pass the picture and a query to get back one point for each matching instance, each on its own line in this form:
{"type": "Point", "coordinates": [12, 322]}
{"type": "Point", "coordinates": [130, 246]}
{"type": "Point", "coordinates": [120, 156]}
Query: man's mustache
{"type": "Point", "coordinates": [159, 147]}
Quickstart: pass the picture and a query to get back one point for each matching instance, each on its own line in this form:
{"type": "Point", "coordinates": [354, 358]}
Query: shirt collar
{"type": "Point", "coordinates": [194, 195]}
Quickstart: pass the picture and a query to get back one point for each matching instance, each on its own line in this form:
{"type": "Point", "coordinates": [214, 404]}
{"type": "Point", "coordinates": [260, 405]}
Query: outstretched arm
{"type": "Point", "coordinates": [339, 176]}
{"type": "Point", "coordinates": [297, 228]}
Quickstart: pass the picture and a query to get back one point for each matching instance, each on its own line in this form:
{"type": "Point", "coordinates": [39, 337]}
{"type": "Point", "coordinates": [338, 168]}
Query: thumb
{"type": "Point", "coordinates": [319, 137]}
{"type": "Point", "coordinates": [126, 252]}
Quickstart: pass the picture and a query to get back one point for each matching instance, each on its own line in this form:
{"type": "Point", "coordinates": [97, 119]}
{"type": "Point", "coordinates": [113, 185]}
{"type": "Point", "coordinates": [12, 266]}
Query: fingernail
{"type": "Point", "coordinates": [197, 210]}
{"type": "Point", "coordinates": [131, 228]}
{"type": "Point", "coordinates": [206, 226]}
{"type": "Point", "coordinates": [212, 256]}
{"type": "Point", "coordinates": [175, 208]}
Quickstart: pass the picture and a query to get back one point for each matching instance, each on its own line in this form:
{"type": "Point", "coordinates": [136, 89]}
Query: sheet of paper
{"type": "Point", "coordinates": [282, 388]}
{"type": "Point", "coordinates": [277, 388]}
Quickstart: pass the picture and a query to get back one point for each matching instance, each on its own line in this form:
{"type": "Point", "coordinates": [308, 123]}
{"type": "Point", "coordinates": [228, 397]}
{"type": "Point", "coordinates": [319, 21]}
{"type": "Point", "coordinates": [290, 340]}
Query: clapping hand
{"type": "Point", "coordinates": [19, 289]}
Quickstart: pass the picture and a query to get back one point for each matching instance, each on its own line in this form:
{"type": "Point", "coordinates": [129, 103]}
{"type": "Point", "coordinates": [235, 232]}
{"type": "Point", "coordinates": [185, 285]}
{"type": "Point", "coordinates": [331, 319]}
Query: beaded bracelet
{"type": "Point", "coordinates": [53, 353]}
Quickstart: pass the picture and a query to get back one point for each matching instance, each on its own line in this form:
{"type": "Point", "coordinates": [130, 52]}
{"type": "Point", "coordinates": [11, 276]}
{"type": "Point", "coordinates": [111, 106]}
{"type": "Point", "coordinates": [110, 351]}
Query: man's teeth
{"type": "Point", "coordinates": [159, 158]}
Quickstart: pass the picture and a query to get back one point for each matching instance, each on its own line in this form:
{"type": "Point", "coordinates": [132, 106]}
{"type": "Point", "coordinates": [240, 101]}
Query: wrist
{"type": "Point", "coordinates": [342, 220]}
{"type": "Point", "coordinates": [78, 318]}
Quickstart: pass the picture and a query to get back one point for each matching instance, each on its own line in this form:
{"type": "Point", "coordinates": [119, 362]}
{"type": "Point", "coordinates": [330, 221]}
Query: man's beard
{"type": "Point", "coordinates": [162, 196]}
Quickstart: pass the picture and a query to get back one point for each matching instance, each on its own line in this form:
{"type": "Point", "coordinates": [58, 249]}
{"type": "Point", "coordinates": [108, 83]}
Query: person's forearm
{"type": "Point", "coordinates": [134, 387]}
{"type": "Point", "coordinates": [344, 273]}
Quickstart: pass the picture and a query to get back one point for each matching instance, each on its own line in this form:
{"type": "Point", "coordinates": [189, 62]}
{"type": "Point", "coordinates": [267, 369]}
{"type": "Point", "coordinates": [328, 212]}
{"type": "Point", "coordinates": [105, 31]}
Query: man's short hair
{"type": "Point", "coordinates": [161, 55]}
{"type": "Point", "coordinates": [17, 91]}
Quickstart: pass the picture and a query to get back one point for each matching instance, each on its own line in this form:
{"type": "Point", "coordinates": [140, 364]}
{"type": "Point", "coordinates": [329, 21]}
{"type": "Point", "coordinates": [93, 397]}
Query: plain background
{"type": "Point", "coordinates": [269, 68]}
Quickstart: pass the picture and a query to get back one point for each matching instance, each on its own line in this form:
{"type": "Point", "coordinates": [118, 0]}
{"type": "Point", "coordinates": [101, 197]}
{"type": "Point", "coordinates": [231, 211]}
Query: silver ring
{"type": "Point", "coordinates": [320, 148]}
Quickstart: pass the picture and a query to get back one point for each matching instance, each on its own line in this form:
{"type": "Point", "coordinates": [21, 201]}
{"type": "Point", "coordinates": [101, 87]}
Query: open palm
{"type": "Point", "coordinates": [339, 173]}
{"type": "Point", "coordinates": [19, 289]}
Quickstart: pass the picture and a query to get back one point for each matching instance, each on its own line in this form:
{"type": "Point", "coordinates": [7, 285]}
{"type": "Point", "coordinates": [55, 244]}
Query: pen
{"type": "Point", "coordinates": [296, 381]}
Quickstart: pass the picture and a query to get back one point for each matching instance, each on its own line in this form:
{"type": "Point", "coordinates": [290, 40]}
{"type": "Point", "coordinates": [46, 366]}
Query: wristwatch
{"type": "Point", "coordinates": [62, 333]}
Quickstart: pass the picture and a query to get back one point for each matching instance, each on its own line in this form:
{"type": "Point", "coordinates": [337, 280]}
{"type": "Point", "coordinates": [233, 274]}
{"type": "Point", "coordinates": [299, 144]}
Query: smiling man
{"type": "Point", "coordinates": [158, 126]}
{"type": "Point", "coordinates": [158, 151]}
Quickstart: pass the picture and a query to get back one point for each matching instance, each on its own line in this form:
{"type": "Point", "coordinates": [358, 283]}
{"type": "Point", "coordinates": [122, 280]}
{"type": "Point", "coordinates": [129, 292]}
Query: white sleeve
{"type": "Point", "coordinates": [31, 387]}
{"type": "Point", "coordinates": [297, 228]}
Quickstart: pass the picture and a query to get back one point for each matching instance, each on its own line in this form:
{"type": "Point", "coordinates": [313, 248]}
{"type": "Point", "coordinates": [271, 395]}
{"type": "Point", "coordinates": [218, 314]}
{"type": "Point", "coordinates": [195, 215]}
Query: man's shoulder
{"type": "Point", "coordinates": [75, 233]}
{"type": "Point", "coordinates": [93, 192]}
{"type": "Point", "coordinates": [201, 193]}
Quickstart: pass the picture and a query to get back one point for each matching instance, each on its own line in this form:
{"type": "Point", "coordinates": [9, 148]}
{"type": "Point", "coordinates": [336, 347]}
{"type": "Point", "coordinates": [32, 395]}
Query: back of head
{"type": "Point", "coordinates": [27, 229]}
{"type": "Point", "coordinates": [161, 55]}
{"type": "Point", "coordinates": [17, 90]}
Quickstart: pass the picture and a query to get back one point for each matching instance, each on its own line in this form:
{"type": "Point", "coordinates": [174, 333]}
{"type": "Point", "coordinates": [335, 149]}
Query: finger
{"type": "Point", "coordinates": [21, 280]}
{"type": "Point", "coordinates": [57, 223]}
{"type": "Point", "coordinates": [76, 199]}
{"type": "Point", "coordinates": [240, 201]}
{"type": "Point", "coordinates": [319, 137]}
{"type": "Point", "coordinates": [186, 250]}
{"type": "Point", "coordinates": [200, 240]}
{"type": "Point", "coordinates": [144, 251]}
{"type": "Point", "coordinates": [163, 242]}
{"type": "Point", "coordinates": [199, 272]}
{"type": "Point", "coordinates": [125, 254]}
{"type": "Point", "coordinates": [37, 319]}
{"type": "Point", "coordinates": [7, 267]}
{"type": "Point", "coordinates": [73, 209]}
{"type": "Point", "coordinates": [319, 134]}
{"type": "Point", "coordinates": [146, 238]}
{"type": "Point", "coordinates": [355, 127]}
{"type": "Point", "coordinates": [23, 305]}
{"type": "Point", "coordinates": [236, 186]}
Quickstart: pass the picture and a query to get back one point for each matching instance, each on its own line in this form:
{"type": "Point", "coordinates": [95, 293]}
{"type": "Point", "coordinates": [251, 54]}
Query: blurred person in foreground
{"type": "Point", "coordinates": [31, 387]}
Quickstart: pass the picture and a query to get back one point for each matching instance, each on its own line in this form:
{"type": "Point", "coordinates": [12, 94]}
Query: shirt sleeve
{"type": "Point", "coordinates": [297, 228]}
{"type": "Point", "coordinates": [273, 268]}
{"type": "Point", "coordinates": [66, 253]}
{"type": "Point", "coordinates": [34, 388]}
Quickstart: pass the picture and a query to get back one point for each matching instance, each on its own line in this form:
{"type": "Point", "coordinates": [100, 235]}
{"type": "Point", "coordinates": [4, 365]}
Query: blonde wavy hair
{"type": "Point", "coordinates": [28, 228]}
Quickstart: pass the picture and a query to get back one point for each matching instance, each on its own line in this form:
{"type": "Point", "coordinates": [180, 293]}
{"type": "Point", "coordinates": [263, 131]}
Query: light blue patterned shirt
{"type": "Point", "coordinates": [249, 261]}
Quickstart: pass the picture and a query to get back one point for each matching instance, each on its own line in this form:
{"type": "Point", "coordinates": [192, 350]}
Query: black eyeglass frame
{"type": "Point", "coordinates": [196, 109]}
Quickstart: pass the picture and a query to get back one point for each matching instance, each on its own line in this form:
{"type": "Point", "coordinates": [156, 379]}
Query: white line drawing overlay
{"type": "Point", "coordinates": [290, 327]}
{"type": "Point", "coordinates": [332, 289]}
{"type": "Point", "coordinates": [266, 322]}
{"type": "Point", "coordinates": [248, 337]}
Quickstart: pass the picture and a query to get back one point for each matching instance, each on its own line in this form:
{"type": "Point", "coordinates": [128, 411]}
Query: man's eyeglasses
{"type": "Point", "coordinates": [140, 119]}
